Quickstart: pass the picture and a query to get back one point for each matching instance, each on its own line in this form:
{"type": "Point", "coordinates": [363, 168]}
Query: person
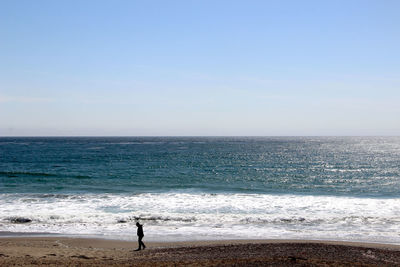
{"type": "Point", "coordinates": [140, 236]}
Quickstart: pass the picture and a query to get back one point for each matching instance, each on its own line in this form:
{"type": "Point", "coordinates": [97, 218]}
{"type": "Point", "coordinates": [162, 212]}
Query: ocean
{"type": "Point", "coordinates": [202, 188]}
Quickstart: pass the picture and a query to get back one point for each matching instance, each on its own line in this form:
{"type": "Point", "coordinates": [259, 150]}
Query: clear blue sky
{"type": "Point", "coordinates": [199, 67]}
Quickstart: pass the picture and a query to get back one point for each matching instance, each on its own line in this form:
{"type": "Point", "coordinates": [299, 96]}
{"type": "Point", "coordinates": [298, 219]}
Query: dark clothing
{"type": "Point", "coordinates": [140, 230]}
{"type": "Point", "coordinates": [140, 236]}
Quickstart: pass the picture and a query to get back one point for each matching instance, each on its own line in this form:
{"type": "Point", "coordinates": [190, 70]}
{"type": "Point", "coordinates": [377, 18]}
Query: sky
{"type": "Point", "coordinates": [219, 68]}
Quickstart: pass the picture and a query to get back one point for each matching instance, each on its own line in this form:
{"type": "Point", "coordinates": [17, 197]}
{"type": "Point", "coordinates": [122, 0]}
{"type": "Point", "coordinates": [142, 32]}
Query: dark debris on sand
{"type": "Point", "coordinates": [274, 254]}
{"type": "Point", "coordinates": [253, 254]}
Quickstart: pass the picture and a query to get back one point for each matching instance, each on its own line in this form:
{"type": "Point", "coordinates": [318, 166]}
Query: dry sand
{"type": "Point", "coordinates": [54, 251]}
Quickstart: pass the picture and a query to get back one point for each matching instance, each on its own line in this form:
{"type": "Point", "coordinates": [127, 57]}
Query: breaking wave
{"type": "Point", "coordinates": [183, 216]}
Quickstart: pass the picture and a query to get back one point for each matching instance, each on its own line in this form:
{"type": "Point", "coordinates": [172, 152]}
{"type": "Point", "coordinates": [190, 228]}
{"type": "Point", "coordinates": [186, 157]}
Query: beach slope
{"type": "Point", "coordinates": [53, 251]}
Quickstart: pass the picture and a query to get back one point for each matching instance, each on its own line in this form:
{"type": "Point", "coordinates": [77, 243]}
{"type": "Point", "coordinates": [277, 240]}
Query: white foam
{"type": "Point", "coordinates": [188, 216]}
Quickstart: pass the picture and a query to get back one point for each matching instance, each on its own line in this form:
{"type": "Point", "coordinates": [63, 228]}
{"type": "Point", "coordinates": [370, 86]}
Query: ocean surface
{"type": "Point", "coordinates": [202, 188]}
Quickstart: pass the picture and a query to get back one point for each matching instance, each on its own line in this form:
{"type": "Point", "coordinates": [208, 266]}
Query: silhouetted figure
{"type": "Point", "coordinates": [140, 236]}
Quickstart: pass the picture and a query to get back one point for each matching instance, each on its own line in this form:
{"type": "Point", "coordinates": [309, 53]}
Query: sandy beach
{"type": "Point", "coordinates": [62, 251]}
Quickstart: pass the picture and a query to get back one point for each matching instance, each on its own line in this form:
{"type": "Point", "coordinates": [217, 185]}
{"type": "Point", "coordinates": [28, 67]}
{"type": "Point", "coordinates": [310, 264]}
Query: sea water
{"type": "Point", "coordinates": [202, 188]}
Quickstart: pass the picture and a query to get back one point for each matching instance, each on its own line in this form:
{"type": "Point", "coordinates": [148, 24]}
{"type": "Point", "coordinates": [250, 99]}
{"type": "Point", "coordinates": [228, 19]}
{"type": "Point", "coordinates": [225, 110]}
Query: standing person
{"type": "Point", "coordinates": [140, 236]}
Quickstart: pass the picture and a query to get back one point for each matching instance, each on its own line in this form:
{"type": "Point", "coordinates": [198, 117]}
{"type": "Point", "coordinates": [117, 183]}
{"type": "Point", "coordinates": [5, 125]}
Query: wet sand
{"type": "Point", "coordinates": [62, 251]}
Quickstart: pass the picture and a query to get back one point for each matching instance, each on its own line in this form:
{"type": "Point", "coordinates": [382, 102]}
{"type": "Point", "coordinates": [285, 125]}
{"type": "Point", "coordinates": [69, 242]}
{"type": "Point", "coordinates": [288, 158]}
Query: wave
{"type": "Point", "coordinates": [16, 174]}
{"type": "Point", "coordinates": [323, 220]}
{"type": "Point", "coordinates": [156, 219]}
{"type": "Point", "coordinates": [202, 215]}
{"type": "Point", "coordinates": [40, 174]}
{"type": "Point", "coordinates": [137, 143]}
{"type": "Point", "coordinates": [17, 219]}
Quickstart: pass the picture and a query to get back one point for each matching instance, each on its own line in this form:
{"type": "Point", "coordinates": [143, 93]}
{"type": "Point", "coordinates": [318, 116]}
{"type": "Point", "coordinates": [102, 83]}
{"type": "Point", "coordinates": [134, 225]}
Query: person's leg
{"type": "Point", "coordinates": [141, 243]}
